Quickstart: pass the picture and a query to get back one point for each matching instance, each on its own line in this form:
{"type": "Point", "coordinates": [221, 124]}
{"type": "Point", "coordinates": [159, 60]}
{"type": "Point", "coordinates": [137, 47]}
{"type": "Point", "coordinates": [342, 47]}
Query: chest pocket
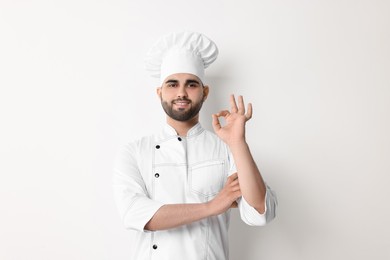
{"type": "Point", "coordinates": [207, 178]}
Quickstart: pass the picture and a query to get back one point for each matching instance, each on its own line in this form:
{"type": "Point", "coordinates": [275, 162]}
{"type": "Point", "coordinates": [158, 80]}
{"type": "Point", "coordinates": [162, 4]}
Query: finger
{"type": "Point", "coordinates": [236, 188]}
{"type": "Point", "coordinates": [241, 106]}
{"type": "Point", "coordinates": [216, 123]}
{"type": "Point", "coordinates": [223, 113]}
{"type": "Point", "coordinates": [233, 104]}
{"type": "Point", "coordinates": [232, 177]}
{"type": "Point", "coordinates": [234, 183]}
{"type": "Point", "coordinates": [249, 112]}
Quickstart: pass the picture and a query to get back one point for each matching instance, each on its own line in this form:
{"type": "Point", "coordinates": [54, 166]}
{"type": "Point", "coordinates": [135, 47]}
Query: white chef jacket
{"type": "Point", "coordinates": [168, 169]}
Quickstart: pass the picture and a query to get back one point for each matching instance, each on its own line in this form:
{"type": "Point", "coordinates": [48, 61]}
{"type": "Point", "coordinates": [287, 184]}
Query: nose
{"type": "Point", "coordinates": [182, 92]}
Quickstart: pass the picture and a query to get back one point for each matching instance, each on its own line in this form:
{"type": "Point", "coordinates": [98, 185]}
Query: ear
{"type": "Point", "coordinates": [158, 91]}
{"type": "Point", "coordinates": [205, 92]}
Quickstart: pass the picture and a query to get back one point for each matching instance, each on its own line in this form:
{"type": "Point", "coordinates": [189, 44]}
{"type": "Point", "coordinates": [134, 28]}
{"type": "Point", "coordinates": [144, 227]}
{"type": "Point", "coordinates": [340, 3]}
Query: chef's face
{"type": "Point", "coordinates": [182, 96]}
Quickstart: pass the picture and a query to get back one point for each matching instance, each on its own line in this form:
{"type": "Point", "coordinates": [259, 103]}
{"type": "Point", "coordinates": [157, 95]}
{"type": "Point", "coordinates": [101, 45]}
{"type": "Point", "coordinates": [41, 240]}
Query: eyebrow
{"type": "Point", "coordinates": [188, 81]}
{"type": "Point", "coordinates": [171, 81]}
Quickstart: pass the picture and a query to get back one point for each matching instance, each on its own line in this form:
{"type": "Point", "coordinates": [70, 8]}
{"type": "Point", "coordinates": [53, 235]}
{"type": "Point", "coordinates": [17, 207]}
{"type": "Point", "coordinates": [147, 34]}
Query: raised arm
{"type": "Point", "coordinates": [232, 133]}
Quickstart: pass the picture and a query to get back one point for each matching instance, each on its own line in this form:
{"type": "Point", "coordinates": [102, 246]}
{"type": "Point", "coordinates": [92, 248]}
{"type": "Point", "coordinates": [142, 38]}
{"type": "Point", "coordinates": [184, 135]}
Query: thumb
{"type": "Point", "coordinates": [216, 123]}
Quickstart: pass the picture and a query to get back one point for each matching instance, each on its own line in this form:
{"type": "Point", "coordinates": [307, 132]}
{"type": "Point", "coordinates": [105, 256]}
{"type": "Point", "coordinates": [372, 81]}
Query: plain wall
{"type": "Point", "coordinates": [73, 90]}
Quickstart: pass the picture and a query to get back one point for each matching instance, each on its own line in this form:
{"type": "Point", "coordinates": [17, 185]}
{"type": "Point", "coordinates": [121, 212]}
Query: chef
{"type": "Point", "coordinates": [178, 186]}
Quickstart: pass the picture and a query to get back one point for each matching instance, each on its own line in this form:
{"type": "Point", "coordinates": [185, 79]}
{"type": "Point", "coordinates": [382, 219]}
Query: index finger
{"type": "Point", "coordinates": [241, 106]}
{"type": "Point", "coordinates": [232, 177]}
{"type": "Point", "coordinates": [233, 105]}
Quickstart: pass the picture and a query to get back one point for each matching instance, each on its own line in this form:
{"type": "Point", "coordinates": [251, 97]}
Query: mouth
{"type": "Point", "coordinates": [181, 103]}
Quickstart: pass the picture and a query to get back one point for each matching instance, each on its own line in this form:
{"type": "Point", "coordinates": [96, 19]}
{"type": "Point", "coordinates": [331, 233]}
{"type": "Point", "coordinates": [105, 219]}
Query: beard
{"type": "Point", "coordinates": [181, 114]}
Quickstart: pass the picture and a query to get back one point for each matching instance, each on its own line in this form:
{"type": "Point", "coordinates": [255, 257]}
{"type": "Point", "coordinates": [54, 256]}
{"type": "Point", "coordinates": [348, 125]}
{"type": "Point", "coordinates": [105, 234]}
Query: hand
{"type": "Point", "coordinates": [234, 129]}
{"type": "Point", "coordinates": [227, 197]}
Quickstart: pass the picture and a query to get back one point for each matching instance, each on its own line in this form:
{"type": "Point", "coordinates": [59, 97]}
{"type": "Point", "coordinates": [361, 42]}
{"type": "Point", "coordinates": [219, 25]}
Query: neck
{"type": "Point", "coordinates": [183, 127]}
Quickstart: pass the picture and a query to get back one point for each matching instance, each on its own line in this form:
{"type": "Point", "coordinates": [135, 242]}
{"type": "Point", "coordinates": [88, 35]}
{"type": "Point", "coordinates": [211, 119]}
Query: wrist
{"type": "Point", "coordinates": [210, 208]}
{"type": "Point", "coordinates": [237, 144]}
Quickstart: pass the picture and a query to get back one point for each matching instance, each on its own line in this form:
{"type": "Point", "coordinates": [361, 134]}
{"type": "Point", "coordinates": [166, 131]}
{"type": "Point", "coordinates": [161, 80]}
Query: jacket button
{"type": "Point", "coordinates": [154, 246]}
{"type": "Point", "coordinates": [179, 138]}
{"type": "Point", "coordinates": [157, 175]}
{"type": "Point", "coordinates": [157, 147]}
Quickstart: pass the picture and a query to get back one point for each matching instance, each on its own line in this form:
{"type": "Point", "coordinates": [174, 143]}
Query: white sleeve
{"type": "Point", "coordinates": [130, 194]}
{"type": "Point", "coordinates": [252, 217]}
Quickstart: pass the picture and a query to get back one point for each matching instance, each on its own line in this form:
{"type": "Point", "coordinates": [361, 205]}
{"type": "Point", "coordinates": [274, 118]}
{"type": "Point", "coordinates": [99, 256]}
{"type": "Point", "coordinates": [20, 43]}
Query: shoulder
{"type": "Point", "coordinates": [133, 151]}
{"type": "Point", "coordinates": [138, 143]}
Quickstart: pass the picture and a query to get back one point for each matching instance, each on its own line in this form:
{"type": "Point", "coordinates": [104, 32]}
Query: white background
{"type": "Point", "coordinates": [73, 89]}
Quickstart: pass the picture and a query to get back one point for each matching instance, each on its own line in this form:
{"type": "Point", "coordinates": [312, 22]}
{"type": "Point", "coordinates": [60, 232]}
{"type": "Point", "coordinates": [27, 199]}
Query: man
{"type": "Point", "coordinates": [176, 188]}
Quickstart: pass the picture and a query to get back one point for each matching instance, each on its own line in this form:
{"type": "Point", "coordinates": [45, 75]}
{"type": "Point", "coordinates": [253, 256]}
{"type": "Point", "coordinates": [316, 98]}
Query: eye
{"type": "Point", "coordinates": [171, 85]}
{"type": "Point", "coordinates": [192, 85]}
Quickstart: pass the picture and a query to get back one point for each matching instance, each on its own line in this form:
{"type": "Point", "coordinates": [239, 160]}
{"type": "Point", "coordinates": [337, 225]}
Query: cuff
{"type": "Point", "coordinates": [140, 212]}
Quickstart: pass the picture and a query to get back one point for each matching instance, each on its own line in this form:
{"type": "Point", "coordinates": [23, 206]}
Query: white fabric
{"type": "Point", "coordinates": [184, 52]}
{"type": "Point", "coordinates": [191, 170]}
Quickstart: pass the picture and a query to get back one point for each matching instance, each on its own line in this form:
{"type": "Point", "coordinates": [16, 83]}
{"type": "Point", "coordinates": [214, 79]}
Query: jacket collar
{"type": "Point", "coordinates": [195, 130]}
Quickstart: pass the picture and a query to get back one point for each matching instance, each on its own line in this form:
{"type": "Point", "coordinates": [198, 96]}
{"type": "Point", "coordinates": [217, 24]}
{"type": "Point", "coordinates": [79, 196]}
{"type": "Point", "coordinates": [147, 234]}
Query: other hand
{"type": "Point", "coordinates": [227, 197]}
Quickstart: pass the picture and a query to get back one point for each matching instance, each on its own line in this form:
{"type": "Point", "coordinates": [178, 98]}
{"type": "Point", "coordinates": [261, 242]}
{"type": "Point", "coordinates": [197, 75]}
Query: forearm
{"type": "Point", "coordinates": [175, 215]}
{"type": "Point", "coordinates": [252, 185]}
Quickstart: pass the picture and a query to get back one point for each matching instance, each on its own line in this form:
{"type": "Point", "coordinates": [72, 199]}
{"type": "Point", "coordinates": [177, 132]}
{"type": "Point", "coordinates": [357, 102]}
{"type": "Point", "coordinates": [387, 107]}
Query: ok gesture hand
{"type": "Point", "coordinates": [234, 130]}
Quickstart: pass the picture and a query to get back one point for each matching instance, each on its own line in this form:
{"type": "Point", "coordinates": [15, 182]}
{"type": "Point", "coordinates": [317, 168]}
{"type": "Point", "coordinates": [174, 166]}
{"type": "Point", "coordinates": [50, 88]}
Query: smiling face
{"type": "Point", "coordinates": [182, 96]}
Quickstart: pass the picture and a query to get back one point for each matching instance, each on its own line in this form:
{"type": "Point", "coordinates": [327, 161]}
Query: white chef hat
{"type": "Point", "coordinates": [183, 52]}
